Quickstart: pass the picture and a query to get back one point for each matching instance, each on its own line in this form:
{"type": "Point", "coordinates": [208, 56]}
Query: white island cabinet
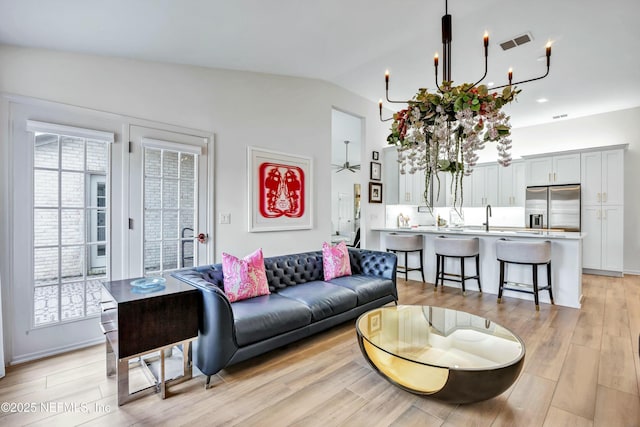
{"type": "Point", "coordinates": [566, 261]}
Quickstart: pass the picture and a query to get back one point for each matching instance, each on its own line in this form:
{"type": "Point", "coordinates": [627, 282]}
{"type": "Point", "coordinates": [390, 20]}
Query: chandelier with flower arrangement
{"type": "Point", "coordinates": [443, 130]}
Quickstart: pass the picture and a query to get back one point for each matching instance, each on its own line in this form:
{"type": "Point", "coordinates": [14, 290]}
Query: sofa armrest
{"type": "Point", "coordinates": [374, 263]}
{"type": "Point", "coordinates": [216, 343]}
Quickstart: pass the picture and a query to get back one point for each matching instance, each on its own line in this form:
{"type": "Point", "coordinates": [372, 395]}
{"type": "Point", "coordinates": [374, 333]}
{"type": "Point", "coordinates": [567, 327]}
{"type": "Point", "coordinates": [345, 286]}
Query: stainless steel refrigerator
{"type": "Point", "coordinates": [554, 206]}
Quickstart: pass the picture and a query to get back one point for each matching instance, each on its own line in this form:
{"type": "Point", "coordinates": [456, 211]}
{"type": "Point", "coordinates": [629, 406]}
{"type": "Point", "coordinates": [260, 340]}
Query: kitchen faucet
{"type": "Point", "coordinates": [487, 215]}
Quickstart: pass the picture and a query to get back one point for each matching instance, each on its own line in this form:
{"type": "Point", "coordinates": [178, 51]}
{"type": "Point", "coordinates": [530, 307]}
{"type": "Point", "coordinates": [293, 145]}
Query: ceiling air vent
{"type": "Point", "coordinates": [516, 41]}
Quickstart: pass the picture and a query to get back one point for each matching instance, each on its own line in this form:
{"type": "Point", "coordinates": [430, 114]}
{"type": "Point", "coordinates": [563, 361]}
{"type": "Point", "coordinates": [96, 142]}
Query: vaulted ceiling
{"type": "Point", "coordinates": [594, 66]}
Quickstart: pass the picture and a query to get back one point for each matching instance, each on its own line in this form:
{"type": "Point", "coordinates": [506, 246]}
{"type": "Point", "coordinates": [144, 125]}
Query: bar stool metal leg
{"type": "Point", "coordinates": [422, 265]}
{"type": "Point", "coordinates": [501, 282]}
{"type": "Point", "coordinates": [478, 271]}
{"type": "Point", "coordinates": [549, 282]}
{"type": "Point", "coordinates": [535, 286]}
{"type": "Point", "coordinates": [462, 278]}
{"type": "Point", "coordinates": [435, 287]}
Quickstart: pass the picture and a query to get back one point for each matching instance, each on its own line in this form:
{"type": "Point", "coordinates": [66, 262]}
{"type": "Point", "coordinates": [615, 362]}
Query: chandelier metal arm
{"type": "Point", "coordinates": [384, 120]}
{"type": "Point", "coordinates": [395, 102]}
{"type": "Point", "coordinates": [523, 81]}
{"type": "Point", "coordinates": [437, 85]}
{"type": "Point", "coordinates": [486, 60]}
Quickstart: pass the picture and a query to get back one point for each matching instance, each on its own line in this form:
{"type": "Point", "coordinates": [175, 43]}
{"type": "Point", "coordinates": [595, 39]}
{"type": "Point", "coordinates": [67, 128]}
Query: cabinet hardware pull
{"type": "Point", "coordinates": [604, 197]}
{"type": "Point", "coordinates": [598, 214]}
{"type": "Point", "coordinates": [550, 177]}
{"type": "Point", "coordinates": [104, 331]}
{"type": "Point", "coordinates": [554, 177]}
{"type": "Point", "coordinates": [604, 214]}
{"type": "Point", "coordinates": [599, 197]}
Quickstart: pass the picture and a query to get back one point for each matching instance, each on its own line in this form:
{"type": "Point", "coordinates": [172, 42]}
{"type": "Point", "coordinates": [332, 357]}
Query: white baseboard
{"type": "Point", "coordinates": [52, 352]}
{"type": "Point", "coordinates": [602, 272]}
{"type": "Point", "coordinates": [633, 272]}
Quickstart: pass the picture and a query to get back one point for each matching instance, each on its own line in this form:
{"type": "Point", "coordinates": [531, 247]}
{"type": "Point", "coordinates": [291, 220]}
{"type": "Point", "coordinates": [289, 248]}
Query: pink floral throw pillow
{"type": "Point", "coordinates": [244, 278]}
{"type": "Point", "coordinates": [335, 260]}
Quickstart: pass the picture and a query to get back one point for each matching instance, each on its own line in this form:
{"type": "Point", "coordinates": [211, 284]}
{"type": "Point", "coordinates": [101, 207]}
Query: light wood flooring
{"type": "Point", "coordinates": [582, 368]}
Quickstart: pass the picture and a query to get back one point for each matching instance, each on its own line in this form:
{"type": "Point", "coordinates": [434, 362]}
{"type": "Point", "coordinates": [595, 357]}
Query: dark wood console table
{"type": "Point", "coordinates": [138, 321]}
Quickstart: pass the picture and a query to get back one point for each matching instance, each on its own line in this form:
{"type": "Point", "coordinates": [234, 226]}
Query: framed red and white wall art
{"type": "Point", "coordinates": [279, 191]}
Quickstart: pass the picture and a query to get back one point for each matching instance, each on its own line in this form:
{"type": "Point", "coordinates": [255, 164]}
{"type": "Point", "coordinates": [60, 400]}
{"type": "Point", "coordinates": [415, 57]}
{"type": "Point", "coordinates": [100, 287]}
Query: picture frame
{"type": "Point", "coordinates": [280, 190]}
{"type": "Point", "coordinates": [375, 155]}
{"type": "Point", "coordinates": [375, 192]}
{"type": "Point", "coordinates": [375, 171]}
{"type": "Point", "coordinates": [374, 322]}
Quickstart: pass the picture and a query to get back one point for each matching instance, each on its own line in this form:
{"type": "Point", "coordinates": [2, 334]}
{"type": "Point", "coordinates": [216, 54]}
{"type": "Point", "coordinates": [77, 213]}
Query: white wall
{"type": "Point", "coordinates": [276, 112]}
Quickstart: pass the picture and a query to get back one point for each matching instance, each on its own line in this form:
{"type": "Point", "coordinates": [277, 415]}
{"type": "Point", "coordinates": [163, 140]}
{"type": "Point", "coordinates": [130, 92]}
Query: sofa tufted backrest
{"type": "Point", "coordinates": [295, 269]}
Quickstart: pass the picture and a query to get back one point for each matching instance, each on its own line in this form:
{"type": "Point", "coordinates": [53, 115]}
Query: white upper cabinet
{"type": "Point", "coordinates": [566, 169]}
{"type": "Point", "coordinates": [539, 171]}
{"type": "Point", "coordinates": [554, 170]}
{"type": "Point", "coordinates": [512, 186]}
{"type": "Point", "coordinates": [411, 188]}
{"type": "Point", "coordinates": [613, 177]}
{"type": "Point", "coordinates": [602, 178]}
{"type": "Point", "coordinates": [464, 193]}
{"type": "Point", "coordinates": [442, 190]}
{"type": "Point", "coordinates": [591, 181]}
{"type": "Point", "coordinates": [485, 185]}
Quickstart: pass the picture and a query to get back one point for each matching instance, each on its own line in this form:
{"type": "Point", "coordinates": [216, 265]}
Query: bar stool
{"type": "Point", "coordinates": [534, 254]}
{"type": "Point", "coordinates": [447, 247]}
{"type": "Point", "coordinates": [406, 243]}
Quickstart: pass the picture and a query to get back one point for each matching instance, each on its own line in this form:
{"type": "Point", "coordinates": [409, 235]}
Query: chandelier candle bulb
{"type": "Point", "coordinates": [510, 75]}
{"type": "Point", "coordinates": [548, 53]}
{"type": "Point", "coordinates": [435, 60]}
{"type": "Point", "coordinates": [486, 40]}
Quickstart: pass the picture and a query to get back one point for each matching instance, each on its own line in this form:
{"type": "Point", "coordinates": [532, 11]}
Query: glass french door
{"type": "Point", "coordinates": [168, 201]}
{"type": "Point", "coordinates": [69, 225]}
{"type": "Point", "coordinates": [61, 228]}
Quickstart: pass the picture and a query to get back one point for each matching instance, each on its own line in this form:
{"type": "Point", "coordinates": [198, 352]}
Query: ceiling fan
{"type": "Point", "coordinates": [346, 165]}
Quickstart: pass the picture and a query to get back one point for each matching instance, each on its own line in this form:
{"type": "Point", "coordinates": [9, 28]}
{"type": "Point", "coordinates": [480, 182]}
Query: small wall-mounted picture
{"type": "Point", "coordinates": [375, 192]}
{"type": "Point", "coordinates": [375, 155]}
{"type": "Point", "coordinates": [375, 174]}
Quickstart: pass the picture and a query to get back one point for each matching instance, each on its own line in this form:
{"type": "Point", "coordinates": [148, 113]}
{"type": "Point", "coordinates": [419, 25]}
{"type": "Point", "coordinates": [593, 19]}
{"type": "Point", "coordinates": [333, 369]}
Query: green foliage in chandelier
{"type": "Point", "coordinates": [442, 131]}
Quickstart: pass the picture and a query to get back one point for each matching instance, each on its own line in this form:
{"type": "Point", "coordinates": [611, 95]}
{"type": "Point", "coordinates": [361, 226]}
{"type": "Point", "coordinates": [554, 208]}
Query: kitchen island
{"type": "Point", "coordinates": [566, 259]}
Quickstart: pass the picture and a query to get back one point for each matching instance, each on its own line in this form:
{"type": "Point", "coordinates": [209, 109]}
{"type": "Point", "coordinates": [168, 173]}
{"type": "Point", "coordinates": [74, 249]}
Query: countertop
{"type": "Point", "coordinates": [493, 231]}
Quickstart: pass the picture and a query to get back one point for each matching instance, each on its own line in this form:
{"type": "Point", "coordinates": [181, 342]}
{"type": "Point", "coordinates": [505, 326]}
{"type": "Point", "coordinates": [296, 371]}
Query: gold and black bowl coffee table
{"type": "Point", "coordinates": [450, 355]}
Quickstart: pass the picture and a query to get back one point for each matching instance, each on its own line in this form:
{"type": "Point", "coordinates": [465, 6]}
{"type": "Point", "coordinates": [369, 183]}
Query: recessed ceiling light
{"type": "Point", "coordinates": [542, 100]}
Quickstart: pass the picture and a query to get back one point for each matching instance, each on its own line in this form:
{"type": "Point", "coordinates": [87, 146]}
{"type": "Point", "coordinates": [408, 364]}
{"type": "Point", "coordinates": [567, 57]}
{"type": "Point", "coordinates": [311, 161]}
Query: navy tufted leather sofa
{"type": "Point", "coordinates": [301, 303]}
